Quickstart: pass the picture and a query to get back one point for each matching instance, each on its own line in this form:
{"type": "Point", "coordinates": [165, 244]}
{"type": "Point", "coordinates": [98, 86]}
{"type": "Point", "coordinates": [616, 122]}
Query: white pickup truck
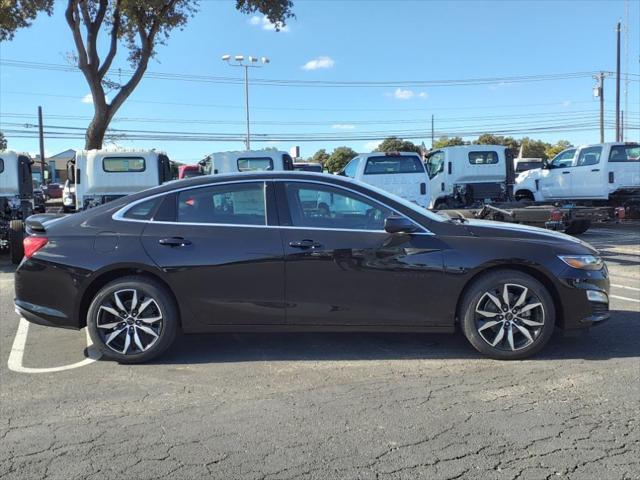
{"type": "Point", "coordinates": [606, 173]}
{"type": "Point", "coordinates": [400, 173]}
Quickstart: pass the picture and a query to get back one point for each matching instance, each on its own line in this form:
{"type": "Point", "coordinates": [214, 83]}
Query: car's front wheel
{"type": "Point", "coordinates": [507, 314]}
{"type": "Point", "coordinates": [133, 319]}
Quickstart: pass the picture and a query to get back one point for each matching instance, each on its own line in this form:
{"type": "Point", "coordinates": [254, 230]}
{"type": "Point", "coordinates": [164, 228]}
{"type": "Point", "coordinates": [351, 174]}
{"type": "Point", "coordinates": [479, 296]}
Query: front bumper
{"type": "Point", "coordinates": [585, 298]}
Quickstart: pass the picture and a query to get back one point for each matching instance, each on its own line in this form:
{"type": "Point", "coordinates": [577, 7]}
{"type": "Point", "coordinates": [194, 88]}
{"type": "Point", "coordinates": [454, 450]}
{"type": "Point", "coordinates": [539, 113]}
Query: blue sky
{"type": "Point", "coordinates": [347, 41]}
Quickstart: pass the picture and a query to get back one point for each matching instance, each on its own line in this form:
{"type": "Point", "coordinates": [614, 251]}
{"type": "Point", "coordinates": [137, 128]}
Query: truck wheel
{"type": "Point", "coordinates": [525, 195]}
{"type": "Point", "coordinates": [16, 235]}
{"type": "Point", "coordinates": [577, 227]}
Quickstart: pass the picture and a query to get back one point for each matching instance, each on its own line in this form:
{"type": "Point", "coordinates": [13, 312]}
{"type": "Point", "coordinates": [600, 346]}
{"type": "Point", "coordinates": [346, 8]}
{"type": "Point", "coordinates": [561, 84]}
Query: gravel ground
{"type": "Point", "coordinates": [331, 405]}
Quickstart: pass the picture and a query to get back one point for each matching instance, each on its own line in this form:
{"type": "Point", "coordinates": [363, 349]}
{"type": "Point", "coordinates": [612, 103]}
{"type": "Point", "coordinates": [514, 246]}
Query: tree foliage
{"type": "Point", "coordinates": [339, 158]}
{"type": "Point", "coordinates": [139, 26]}
{"type": "Point", "coordinates": [3, 142]}
{"type": "Point", "coordinates": [395, 144]}
{"type": "Point", "coordinates": [552, 150]}
{"type": "Point", "coordinates": [533, 148]}
{"type": "Point", "coordinates": [321, 156]}
{"type": "Point", "coordinates": [448, 142]}
{"type": "Point", "coordinates": [490, 139]}
{"type": "Point", "coordinates": [16, 14]}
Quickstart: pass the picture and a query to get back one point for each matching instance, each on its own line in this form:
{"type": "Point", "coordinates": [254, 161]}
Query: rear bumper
{"type": "Point", "coordinates": [42, 315]}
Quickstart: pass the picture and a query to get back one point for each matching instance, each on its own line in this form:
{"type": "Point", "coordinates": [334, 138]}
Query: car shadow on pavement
{"type": "Point", "coordinates": [618, 338]}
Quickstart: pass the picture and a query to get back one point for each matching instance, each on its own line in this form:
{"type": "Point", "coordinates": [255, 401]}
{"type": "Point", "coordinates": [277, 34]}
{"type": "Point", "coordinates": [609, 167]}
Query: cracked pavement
{"type": "Point", "coordinates": [322, 406]}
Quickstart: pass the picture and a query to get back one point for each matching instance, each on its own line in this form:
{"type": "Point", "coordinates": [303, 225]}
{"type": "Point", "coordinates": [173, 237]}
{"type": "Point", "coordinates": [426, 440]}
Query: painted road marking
{"type": "Point", "coordinates": [625, 298]}
{"type": "Point", "coordinates": [17, 353]}
{"type": "Point", "coordinates": [625, 287]}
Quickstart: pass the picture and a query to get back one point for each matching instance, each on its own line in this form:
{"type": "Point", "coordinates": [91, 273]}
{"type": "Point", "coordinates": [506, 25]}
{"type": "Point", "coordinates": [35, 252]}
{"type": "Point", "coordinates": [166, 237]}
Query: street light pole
{"type": "Point", "coordinates": [240, 62]}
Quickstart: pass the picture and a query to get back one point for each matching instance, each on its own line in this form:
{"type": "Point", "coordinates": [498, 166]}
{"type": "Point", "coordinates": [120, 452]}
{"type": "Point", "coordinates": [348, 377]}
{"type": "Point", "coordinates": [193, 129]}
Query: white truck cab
{"type": "Point", "coordinates": [246, 161]}
{"type": "Point", "coordinates": [467, 174]}
{"type": "Point", "coordinates": [400, 173]}
{"type": "Point", "coordinates": [604, 171]}
{"type": "Point", "coordinates": [99, 176]}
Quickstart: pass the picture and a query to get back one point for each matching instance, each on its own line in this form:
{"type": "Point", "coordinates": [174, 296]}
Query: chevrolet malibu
{"type": "Point", "coordinates": [298, 251]}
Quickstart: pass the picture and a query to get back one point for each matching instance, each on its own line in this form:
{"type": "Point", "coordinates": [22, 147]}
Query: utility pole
{"type": "Point", "coordinates": [622, 125]}
{"type": "Point", "coordinates": [598, 91]}
{"type": "Point", "coordinates": [432, 136]}
{"type": "Point", "coordinates": [246, 104]}
{"type": "Point", "coordinates": [618, 134]}
{"type": "Point", "coordinates": [41, 135]}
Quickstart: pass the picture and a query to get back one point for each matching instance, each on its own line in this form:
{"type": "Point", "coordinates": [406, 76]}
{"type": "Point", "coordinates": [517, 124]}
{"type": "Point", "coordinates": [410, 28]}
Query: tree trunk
{"type": "Point", "coordinates": [95, 133]}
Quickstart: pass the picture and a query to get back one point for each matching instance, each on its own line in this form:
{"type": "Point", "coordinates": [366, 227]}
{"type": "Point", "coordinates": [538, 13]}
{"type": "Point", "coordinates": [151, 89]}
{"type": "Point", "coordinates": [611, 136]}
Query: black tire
{"type": "Point", "coordinates": [524, 195]}
{"type": "Point", "coordinates": [514, 345]}
{"type": "Point", "coordinates": [16, 237]}
{"type": "Point", "coordinates": [577, 227]}
{"type": "Point", "coordinates": [134, 326]}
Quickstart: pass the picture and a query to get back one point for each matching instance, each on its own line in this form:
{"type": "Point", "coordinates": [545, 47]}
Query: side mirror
{"type": "Point", "coordinates": [71, 172]}
{"type": "Point", "coordinates": [397, 224]}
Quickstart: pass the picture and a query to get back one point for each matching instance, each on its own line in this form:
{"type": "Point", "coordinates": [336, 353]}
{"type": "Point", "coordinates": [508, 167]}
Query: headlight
{"type": "Point", "coordinates": [583, 262]}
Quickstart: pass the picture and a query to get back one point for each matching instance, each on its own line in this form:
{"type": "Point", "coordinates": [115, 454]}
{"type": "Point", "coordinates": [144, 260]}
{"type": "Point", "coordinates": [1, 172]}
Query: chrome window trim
{"type": "Point", "coordinates": [119, 214]}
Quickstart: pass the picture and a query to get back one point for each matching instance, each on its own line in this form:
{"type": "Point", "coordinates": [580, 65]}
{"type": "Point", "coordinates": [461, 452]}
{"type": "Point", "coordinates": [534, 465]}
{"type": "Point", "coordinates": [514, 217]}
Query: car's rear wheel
{"type": "Point", "coordinates": [507, 314]}
{"type": "Point", "coordinates": [133, 319]}
{"type": "Point", "coordinates": [577, 227]}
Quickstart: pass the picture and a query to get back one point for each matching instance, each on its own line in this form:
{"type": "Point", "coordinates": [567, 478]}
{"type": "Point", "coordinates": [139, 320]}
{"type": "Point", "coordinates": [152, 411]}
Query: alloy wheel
{"type": "Point", "coordinates": [129, 321]}
{"type": "Point", "coordinates": [509, 317]}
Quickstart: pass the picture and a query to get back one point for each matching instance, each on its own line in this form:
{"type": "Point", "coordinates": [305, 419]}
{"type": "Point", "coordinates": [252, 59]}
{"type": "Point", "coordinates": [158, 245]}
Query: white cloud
{"type": "Point", "coordinates": [371, 146]}
{"type": "Point", "coordinates": [496, 86]}
{"type": "Point", "coordinates": [264, 23]}
{"type": "Point", "coordinates": [566, 103]}
{"type": "Point", "coordinates": [403, 94]}
{"type": "Point", "coordinates": [343, 126]}
{"type": "Point", "coordinates": [320, 62]}
{"type": "Point", "coordinates": [423, 95]}
{"type": "Point", "coordinates": [87, 98]}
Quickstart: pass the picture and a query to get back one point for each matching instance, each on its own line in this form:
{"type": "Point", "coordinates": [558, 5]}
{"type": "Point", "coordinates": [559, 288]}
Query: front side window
{"type": "Point", "coordinates": [352, 168]}
{"type": "Point", "coordinates": [255, 164]}
{"type": "Point", "coordinates": [123, 164]}
{"type": "Point", "coordinates": [393, 164]}
{"type": "Point", "coordinates": [621, 153]}
{"type": "Point", "coordinates": [589, 156]}
{"type": "Point", "coordinates": [564, 159]}
{"type": "Point", "coordinates": [323, 206]}
{"type": "Point", "coordinates": [231, 204]}
{"type": "Point", "coordinates": [483, 158]}
{"type": "Point", "coordinates": [435, 164]}
{"type": "Point", "coordinates": [1, 165]}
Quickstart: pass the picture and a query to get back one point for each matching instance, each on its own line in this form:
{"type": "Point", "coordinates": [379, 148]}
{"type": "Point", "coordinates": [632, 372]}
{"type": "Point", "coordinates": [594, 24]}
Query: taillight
{"type": "Point", "coordinates": [33, 244]}
{"type": "Point", "coordinates": [556, 215]}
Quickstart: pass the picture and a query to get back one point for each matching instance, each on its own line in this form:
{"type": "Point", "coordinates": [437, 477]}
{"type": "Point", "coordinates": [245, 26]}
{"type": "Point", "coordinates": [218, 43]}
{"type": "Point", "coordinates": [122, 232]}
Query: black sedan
{"type": "Point", "coordinates": [294, 251]}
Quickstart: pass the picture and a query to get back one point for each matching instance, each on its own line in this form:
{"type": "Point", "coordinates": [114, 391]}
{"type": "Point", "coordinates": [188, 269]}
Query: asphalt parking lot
{"type": "Point", "coordinates": [280, 406]}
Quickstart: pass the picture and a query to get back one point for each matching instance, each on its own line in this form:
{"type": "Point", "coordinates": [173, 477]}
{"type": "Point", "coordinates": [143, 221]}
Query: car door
{"type": "Point", "coordinates": [624, 167]}
{"type": "Point", "coordinates": [556, 180]}
{"type": "Point", "coordinates": [587, 179]}
{"type": "Point", "coordinates": [343, 269]}
{"type": "Point", "coordinates": [221, 252]}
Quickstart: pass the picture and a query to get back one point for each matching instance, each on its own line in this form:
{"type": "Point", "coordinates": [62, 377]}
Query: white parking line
{"type": "Point", "coordinates": [625, 287]}
{"type": "Point", "coordinates": [625, 298]}
{"type": "Point", "coordinates": [17, 353]}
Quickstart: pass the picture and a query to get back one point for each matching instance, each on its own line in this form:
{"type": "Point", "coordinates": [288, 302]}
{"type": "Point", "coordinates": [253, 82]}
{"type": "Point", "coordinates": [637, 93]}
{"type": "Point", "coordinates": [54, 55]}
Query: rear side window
{"type": "Point", "coordinates": [483, 158]}
{"type": "Point", "coordinates": [1, 165]}
{"type": "Point", "coordinates": [391, 164]}
{"type": "Point", "coordinates": [123, 164]}
{"type": "Point", "coordinates": [253, 164]}
{"type": "Point", "coordinates": [619, 153]}
{"type": "Point", "coordinates": [232, 204]}
{"type": "Point", "coordinates": [589, 156]}
{"type": "Point", "coordinates": [143, 210]}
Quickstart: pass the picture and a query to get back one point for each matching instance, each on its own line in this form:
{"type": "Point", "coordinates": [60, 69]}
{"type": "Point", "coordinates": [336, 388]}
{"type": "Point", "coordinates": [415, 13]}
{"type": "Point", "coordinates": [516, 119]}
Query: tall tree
{"type": "Point", "coordinates": [534, 148]}
{"type": "Point", "coordinates": [339, 158]}
{"type": "Point", "coordinates": [3, 142]}
{"type": "Point", "coordinates": [448, 142]}
{"type": "Point", "coordinates": [395, 144]}
{"type": "Point", "coordinates": [321, 156]}
{"type": "Point", "coordinates": [137, 25]}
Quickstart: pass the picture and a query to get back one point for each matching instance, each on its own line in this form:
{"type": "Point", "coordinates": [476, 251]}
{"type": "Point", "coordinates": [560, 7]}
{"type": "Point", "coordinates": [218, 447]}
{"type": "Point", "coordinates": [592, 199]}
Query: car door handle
{"type": "Point", "coordinates": [595, 170]}
{"type": "Point", "coordinates": [564, 173]}
{"type": "Point", "coordinates": [174, 242]}
{"type": "Point", "coordinates": [305, 244]}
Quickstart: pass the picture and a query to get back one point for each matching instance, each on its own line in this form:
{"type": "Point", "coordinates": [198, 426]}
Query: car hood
{"type": "Point", "coordinates": [515, 231]}
{"type": "Point", "coordinates": [532, 174]}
